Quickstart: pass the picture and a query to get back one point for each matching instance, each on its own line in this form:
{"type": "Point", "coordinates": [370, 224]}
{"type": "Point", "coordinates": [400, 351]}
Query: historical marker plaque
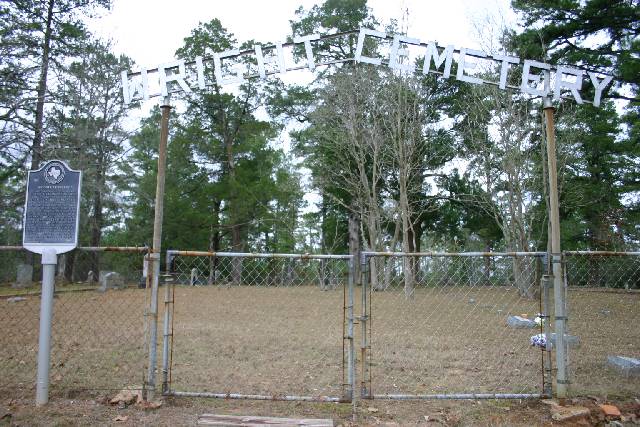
{"type": "Point", "coordinates": [52, 208]}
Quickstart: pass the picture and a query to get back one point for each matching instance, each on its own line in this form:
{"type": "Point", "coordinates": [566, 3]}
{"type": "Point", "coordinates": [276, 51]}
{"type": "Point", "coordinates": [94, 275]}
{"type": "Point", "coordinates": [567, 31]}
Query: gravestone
{"type": "Point", "coordinates": [142, 283]}
{"type": "Point", "coordinates": [110, 280]}
{"type": "Point", "coordinates": [24, 276]}
{"type": "Point", "coordinates": [101, 275]}
{"type": "Point", "coordinates": [627, 366]}
{"type": "Point", "coordinates": [520, 322]}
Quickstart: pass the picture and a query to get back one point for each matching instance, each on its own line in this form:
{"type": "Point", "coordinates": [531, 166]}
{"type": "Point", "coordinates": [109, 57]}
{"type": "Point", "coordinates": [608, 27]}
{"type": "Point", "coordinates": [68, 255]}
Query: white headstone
{"type": "Point", "coordinates": [25, 276]}
{"type": "Point", "coordinates": [110, 280]}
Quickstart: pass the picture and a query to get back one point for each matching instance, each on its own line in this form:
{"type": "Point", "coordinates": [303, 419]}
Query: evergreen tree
{"type": "Point", "coordinates": [600, 181]}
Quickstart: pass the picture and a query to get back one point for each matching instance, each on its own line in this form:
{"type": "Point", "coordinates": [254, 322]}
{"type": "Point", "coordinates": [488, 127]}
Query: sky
{"type": "Point", "coordinates": [150, 31]}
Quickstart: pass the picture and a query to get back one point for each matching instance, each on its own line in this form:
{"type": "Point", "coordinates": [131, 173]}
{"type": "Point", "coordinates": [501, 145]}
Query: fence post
{"type": "Point", "coordinates": [166, 333]}
{"type": "Point", "coordinates": [546, 308]}
{"type": "Point", "coordinates": [350, 329]}
{"type": "Point", "coordinates": [364, 346]}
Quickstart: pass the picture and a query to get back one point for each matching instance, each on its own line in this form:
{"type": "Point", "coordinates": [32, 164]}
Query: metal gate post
{"type": "Point", "coordinates": [150, 385]}
{"type": "Point", "coordinates": [546, 308]}
{"type": "Point", "coordinates": [364, 346]}
{"type": "Point", "coordinates": [167, 333]}
{"type": "Point", "coordinates": [350, 332]}
{"type": "Point", "coordinates": [558, 279]}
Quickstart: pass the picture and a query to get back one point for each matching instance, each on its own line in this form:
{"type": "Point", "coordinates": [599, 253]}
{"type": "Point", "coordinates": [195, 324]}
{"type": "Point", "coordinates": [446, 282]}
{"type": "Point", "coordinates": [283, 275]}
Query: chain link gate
{"type": "Point", "coordinates": [603, 306]}
{"type": "Point", "coordinates": [258, 326]}
{"type": "Point", "coordinates": [444, 325]}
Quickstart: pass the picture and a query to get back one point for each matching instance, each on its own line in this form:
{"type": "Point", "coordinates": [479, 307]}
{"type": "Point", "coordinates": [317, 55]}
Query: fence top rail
{"type": "Point", "coordinates": [114, 248]}
{"type": "Point", "coordinates": [11, 248]}
{"type": "Point", "coordinates": [601, 253]}
{"type": "Point", "coordinates": [90, 248]}
{"type": "Point", "coordinates": [171, 253]}
{"type": "Point", "coordinates": [455, 254]}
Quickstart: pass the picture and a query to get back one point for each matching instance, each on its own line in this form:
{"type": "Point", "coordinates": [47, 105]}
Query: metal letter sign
{"type": "Point", "coordinates": [52, 208]}
{"type": "Point", "coordinates": [183, 75]}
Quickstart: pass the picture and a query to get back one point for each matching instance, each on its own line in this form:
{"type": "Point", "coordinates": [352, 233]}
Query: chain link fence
{"type": "Point", "coordinates": [260, 325]}
{"type": "Point", "coordinates": [97, 331]}
{"type": "Point", "coordinates": [603, 306]}
{"type": "Point", "coordinates": [451, 325]}
{"type": "Point", "coordinates": [283, 326]}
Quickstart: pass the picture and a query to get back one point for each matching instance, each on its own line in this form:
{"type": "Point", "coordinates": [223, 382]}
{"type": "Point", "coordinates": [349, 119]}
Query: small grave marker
{"type": "Point", "coordinates": [520, 322]}
{"type": "Point", "coordinates": [628, 366]}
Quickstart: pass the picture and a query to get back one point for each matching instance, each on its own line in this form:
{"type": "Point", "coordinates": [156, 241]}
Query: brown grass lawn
{"type": "Point", "coordinates": [280, 340]}
{"type": "Point", "coordinates": [97, 341]}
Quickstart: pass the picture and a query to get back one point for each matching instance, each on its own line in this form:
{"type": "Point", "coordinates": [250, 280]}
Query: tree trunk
{"type": "Point", "coordinates": [417, 246]}
{"type": "Point", "coordinates": [69, 266]}
{"type": "Point", "coordinates": [323, 224]}
{"type": "Point", "coordinates": [409, 266]}
{"type": "Point", "coordinates": [214, 242]}
{"type": "Point", "coordinates": [62, 263]}
{"type": "Point", "coordinates": [388, 262]}
{"type": "Point", "coordinates": [374, 238]}
{"type": "Point", "coordinates": [354, 245]}
{"type": "Point", "coordinates": [487, 266]}
{"type": "Point", "coordinates": [36, 147]}
{"type": "Point", "coordinates": [290, 270]}
{"type": "Point", "coordinates": [407, 244]}
{"type": "Point", "coordinates": [97, 220]}
{"type": "Point", "coordinates": [522, 277]}
{"type": "Point", "coordinates": [322, 272]}
{"type": "Point", "coordinates": [236, 262]}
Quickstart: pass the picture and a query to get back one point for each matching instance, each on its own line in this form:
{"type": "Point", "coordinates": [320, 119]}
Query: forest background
{"type": "Point", "coordinates": [416, 163]}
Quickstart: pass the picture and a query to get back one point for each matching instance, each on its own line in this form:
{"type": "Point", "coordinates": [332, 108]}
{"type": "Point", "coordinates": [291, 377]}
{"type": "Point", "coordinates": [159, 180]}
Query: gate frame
{"type": "Point", "coordinates": [365, 391]}
{"type": "Point", "coordinates": [348, 316]}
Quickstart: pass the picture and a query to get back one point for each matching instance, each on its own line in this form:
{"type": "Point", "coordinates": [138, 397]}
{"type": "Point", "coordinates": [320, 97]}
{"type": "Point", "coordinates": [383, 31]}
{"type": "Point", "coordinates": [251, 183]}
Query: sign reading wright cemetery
{"type": "Point", "coordinates": [397, 51]}
{"type": "Point", "coordinates": [52, 208]}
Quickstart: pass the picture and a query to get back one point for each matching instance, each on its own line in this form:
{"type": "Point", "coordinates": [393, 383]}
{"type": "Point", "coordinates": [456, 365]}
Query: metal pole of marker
{"type": "Point", "coordinates": [49, 261]}
{"type": "Point", "coordinates": [558, 283]}
{"type": "Point", "coordinates": [155, 251]}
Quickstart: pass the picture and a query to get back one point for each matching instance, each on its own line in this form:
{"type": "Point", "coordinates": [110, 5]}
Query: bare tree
{"type": "Point", "coordinates": [500, 131]}
{"type": "Point", "coordinates": [376, 143]}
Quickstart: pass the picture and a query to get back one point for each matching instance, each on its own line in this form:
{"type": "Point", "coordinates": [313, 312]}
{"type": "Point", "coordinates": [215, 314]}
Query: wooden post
{"type": "Point", "coordinates": [155, 251]}
{"type": "Point", "coordinates": [556, 256]}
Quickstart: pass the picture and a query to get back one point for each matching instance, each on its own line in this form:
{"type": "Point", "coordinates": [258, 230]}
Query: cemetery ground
{"type": "Point", "coordinates": [288, 340]}
{"type": "Point", "coordinates": [95, 410]}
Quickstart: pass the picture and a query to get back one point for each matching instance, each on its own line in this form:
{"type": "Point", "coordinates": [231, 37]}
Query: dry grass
{"type": "Point", "coordinates": [453, 340]}
{"type": "Point", "coordinates": [281, 340]}
{"type": "Point", "coordinates": [256, 340]}
{"type": "Point", "coordinates": [607, 324]}
{"type": "Point", "coordinates": [97, 341]}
